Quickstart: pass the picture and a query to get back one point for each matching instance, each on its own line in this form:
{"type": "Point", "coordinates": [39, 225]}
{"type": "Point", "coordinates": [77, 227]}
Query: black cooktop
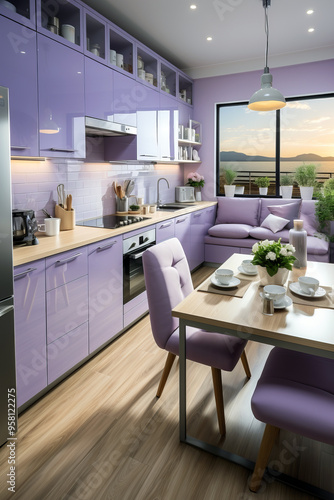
{"type": "Point", "coordinates": [112, 221]}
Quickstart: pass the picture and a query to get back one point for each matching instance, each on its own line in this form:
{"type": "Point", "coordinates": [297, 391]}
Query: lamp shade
{"type": "Point", "coordinates": [267, 98]}
{"type": "Point", "coordinates": [48, 125]}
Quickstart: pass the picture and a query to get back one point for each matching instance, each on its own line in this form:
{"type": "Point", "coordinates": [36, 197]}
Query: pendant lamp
{"type": "Point", "coordinates": [267, 98]}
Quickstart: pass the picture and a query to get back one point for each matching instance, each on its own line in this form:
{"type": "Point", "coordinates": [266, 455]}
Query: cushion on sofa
{"type": "Point", "coordinates": [230, 230]}
{"type": "Point", "coordinates": [274, 223]}
{"type": "Point", "coordinates": [238, 211]}
{"type": "Point", "coordinates": [317, 246]}
{"type": "Point", "coordinates": [272, 202]}
{"type": "Point", "coordinates": [307, 214]}
{"type": "Point", "coordinates": [262, 233]}
{"type": "Point", "coordinates": [289, 211]}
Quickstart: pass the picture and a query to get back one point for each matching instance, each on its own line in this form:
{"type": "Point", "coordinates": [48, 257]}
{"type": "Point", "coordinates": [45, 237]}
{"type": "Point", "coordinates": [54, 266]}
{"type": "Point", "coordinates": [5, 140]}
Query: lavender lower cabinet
{"type": "Point", "coordinates": [67, 351]}
{"type": "Point", "coordinates": [105, 264]}
{"type": "Point", "coordinates": [182, 232]}
{"type": "Point", "coordinates": [164, 230]}
{"type": "Point", "coordinates": [30, 330]}
{"type": "Point", "coordinates": [209, 217]}
{"type": "Point", "coordinates": [197, 232]}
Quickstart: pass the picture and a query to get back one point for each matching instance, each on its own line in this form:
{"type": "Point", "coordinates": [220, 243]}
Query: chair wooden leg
{"type": "Point", "coordinates": [245, 364]}
{"type": "Point", "coordinates": [267, 443]}
{"type": "Point", "coordinates": [218, 389]}
{"type": "Point", "coordinates": [168, 365]}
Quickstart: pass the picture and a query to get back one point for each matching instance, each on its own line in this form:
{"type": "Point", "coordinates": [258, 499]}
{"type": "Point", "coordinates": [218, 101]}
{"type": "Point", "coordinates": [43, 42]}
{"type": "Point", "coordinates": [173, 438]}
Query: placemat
{"type": "Point", "coordinates": [247, 277]}
{"type": "Point", "coordinates": [325, 301]}
{"type": "Point", "coordinates": [238, 291]}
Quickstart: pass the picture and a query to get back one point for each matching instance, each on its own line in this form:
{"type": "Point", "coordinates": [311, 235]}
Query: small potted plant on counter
{"type": "Point", "coordinates": [196, 180]}
{"type": "Point", "coordinates": [134, 209]}
{"type": "Point", "coordinates": [306, 179]}
{"type": "Point", "coordinates": [286, 184]}
{"type": "Point", "coordinates": [263, 184]}
{"type": "Point", "coordinates": [229, 175]}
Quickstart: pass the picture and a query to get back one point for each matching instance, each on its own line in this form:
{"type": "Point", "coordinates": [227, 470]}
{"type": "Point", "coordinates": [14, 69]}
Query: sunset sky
{"type": "Point", "coordinates": [307, 126]}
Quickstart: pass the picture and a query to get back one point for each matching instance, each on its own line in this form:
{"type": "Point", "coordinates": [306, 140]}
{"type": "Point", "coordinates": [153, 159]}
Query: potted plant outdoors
{"type": "Point", "coordinates": [286, 185]}
{"type": "Point", "coordinates": [306, 179]}
{"type": "Point", "coordinates": [229, 175]}
{"type": "Point", "coordinates": [324, 209]}
{"type": "Point", "coordinates": [263, 184]}
{"type": "Point", "coordinates": [273, 260]}
{"type": "Point", "coordinates": [196, 181]}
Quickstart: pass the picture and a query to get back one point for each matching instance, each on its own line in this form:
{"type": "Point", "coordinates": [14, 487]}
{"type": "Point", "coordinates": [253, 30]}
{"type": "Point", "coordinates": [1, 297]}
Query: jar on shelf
{"type": "Point", "coordinates": [140, 63]}
{"type": "Point", "coordinates": [298, 238]}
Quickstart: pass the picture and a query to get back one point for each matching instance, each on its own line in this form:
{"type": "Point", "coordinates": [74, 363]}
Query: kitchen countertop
{"type": "Point", "coordinates": [80, 236]}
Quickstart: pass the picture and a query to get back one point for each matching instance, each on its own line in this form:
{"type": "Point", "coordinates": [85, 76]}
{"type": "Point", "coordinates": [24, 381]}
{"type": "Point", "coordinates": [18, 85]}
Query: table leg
{"type": "Point", "coordinates": [183, 384]}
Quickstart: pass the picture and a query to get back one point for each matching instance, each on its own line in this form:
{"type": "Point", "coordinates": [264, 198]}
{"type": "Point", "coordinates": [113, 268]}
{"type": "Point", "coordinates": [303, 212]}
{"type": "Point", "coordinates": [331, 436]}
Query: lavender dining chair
{"type": "Point", "coordinates": [168, 282]}
{"type": "Point", "coordinates": [295, 392]}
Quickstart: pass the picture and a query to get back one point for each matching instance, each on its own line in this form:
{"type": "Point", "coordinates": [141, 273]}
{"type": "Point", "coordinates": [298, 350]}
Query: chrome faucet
{"type": "Point", "coordinates": [158, 195]}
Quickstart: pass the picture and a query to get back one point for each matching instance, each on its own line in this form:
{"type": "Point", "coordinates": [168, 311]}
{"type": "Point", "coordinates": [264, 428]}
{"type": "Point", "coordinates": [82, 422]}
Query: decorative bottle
{"type": "Point", "coordinates": [298, 238]}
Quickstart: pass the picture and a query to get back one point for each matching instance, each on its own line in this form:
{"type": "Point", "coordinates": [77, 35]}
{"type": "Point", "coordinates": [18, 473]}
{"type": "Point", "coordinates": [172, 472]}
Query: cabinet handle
{"type": "Point", "coordinates": [136, 256]}
{"type": "Point", "coordinates": [20, 148]}
{"type": "Point", "coordinates": [105, 247]}
{"type": "Point", "coordinates": [24, 273]}
{"type": "Point", "coordinates": [68, 259]}
{"type": "Point", "coordinates": [63, 150]}
{"type": "Point", "coordinates": [163, 226]}
{"type": "Point", "coordinates": [197, 215]}
{"type": "Point", "coordinates": [149, 156]}
{"type": "Point", "coordinates": [5, 310]}
{"type": "Point", "coordinates": [180, 220]}
{"type": "Point", "coordinates": [169, 157]}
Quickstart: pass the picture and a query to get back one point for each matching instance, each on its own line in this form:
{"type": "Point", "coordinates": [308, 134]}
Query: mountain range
{"type": "Point", "coordinates": [235, 156]}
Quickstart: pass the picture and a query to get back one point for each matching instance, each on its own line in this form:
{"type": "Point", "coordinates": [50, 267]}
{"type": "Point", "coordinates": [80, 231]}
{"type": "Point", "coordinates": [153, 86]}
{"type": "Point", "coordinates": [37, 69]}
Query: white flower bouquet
{"type": "Point", "coordinates": [273, 255]}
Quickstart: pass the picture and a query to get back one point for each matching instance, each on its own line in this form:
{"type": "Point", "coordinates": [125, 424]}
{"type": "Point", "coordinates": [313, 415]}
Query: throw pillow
{"type": "Point", "coordinates": [288, 211]}
{"type": "Point", "coordinates": [274, 223]}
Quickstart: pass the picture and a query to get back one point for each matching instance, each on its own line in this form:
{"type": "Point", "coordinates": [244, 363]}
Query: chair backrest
{"type": "Point", "coordinates": [168, 282]}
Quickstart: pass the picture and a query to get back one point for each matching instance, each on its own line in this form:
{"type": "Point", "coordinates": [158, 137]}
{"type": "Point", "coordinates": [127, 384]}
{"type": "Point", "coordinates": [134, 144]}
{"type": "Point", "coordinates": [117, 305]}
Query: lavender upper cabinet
{"type": "Point", "coordinates": [17, 58]}
{"type": "Point", "coordinates": [21, 11]}
{"type": "Point", "coordinates": [147, 66]}
{"type": "Point", "coordinates": [182, 232]}
{"type": "Point", "coordinates": [98, 90]}
{"type": "Point", "coordinates": [147, 123]}
{"type": "Point", "coordinates": [185, 89]}
{"type": "Point", "coordinates": [120, 50]}
{"type": "Point", "coordinates": [61, 100]}
{"type": "Point", "coordinates": [96, 35]}
{"type": "Point", "coordinates": [167, 128]}
{"type": "Point", "coordinates": [168, 79]}
{"type": "Point", "coordinates": [126, 95]}
{"type": "Point", "coordinates": [164, 230]}
{"type": "Point", "coordinates": [61, 20]}
{"type": "Point", "coordinates": [105, 264]}
{"type": "Point", "coordinates": [30, 330]}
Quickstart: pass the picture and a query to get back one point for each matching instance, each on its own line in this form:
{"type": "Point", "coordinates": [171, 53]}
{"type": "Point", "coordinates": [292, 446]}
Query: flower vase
{"type": "Point", "coordinates": [278, 279]}
{"type": "Point", "coordinates": [198, 194]}
{"type": "Point", "coordinates": [298, 238]}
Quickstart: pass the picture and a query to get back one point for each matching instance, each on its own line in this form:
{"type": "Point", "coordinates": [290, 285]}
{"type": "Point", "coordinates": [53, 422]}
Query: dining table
{"type": "Point", "coordinates": [305, 325]}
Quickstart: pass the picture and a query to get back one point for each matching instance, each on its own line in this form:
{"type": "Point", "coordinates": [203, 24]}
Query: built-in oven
{"type": "Point", "coordinates": [133, 272]}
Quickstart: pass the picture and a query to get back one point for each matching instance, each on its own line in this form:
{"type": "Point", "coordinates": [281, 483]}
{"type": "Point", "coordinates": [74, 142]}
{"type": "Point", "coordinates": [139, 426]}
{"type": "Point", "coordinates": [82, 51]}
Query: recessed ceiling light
{"type": "Point", "coordinates": [209, 38]}
{"type": "Point", "coordinates": [310, 30]}
{"type": "Point", "coordinates": [193, 6]}
{"type": "Point", "coordinates": [309, 11]}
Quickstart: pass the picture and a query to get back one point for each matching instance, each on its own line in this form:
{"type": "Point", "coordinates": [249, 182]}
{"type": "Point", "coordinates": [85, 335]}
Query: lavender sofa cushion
{"type": "Point", "coordinates": [289, 211]}
{"type": "Point", "coordinates": [262, 233]}
{"type": "Point", "coordinates": [316, 246]}
{"type": "Point", "coordinates": [230, 230]}
{"type": "Point", "coordinates": [265, 211]}
{"type": "Point", "coordinates": [296, 392]}
{"type": "Point", "coordinates": [238, 211]}
{"type": "Point", "coordinates": [274, 223]}
{"type": "Point", "coordinates": [307, 214]}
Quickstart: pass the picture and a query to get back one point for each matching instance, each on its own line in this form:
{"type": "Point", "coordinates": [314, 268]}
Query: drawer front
{"type": "Point", "coordinates": [66, 352]}
{"type": "Point", "coordinates": [164, 230]}
{"type": "Point", "coordinates": [67, 308]}
{"type": "Point", "coordinates": [65, 267]}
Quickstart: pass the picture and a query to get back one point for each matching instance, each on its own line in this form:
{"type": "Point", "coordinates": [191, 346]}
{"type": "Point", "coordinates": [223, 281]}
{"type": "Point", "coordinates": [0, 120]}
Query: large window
{"type": "Point", "coordinates": [268, 144]}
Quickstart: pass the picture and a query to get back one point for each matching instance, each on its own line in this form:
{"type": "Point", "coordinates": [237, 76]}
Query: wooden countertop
{"type": "Point", "coordinates": [80, 236]}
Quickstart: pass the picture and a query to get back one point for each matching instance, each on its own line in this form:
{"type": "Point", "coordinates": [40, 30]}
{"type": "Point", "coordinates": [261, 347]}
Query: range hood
{"type": "Point", "coordinates": [96, 127]}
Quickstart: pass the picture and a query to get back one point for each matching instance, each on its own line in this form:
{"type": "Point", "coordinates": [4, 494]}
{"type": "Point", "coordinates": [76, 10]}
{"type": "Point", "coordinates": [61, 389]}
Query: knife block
{"type": "Point", "coordinates": [67, 218]}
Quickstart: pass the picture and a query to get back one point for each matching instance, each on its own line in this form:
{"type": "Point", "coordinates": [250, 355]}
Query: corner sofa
{"type": "Point", "coordinates": [241, 222]}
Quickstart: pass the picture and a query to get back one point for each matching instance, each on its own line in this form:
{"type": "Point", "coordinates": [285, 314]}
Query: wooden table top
{"type": "Point", "coordinates": [310, 328]}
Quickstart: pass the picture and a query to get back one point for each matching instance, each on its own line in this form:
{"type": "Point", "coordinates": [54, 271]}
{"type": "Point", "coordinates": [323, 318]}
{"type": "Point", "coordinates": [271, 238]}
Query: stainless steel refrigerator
{"type": "Point", "coordinates": [7, 340]}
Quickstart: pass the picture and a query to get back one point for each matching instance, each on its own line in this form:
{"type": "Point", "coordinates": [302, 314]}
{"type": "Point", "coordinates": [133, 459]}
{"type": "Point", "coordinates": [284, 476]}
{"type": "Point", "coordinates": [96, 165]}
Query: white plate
{"type": "Point", "coordinates": [281, 305]}
{"type": "Point", "coordinates": [295, 287]}
{"type": "Point", "coordinates": [243, 271]}
{"type": "Point", "coordinates": [234, 282]}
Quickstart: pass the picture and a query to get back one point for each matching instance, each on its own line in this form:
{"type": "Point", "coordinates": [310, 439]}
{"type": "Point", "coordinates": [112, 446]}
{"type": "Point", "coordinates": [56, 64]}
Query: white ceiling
{"type": "Point", "coordinates": [237, 27]}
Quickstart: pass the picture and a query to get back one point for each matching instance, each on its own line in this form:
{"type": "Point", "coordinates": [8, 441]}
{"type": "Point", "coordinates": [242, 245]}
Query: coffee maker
{"type": "Point", "coordinates": [24, 227]}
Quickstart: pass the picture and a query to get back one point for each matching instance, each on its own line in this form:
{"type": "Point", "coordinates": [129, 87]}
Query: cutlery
{"type": "Point", "coordinates": [61, 195]}
{"type": "Point", "coordinates": [69, 202]}
{"type": "Point", "coordinates": [45, 212]}
{"type": "Point", "coordinates": [130, 187]}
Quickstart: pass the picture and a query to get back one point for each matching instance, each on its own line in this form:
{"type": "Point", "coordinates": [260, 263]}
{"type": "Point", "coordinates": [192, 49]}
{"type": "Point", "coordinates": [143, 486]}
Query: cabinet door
{"type": "Point", "coordinates": [18, 61]}
{"type": "Point", "coordinates": [61, 99]}
{"type": "Point", "coordinates": [98, 90]}
{"type": "Point", "coordinates": [127, 93]}
{"type": "Point", "coordinates": [21, 11]}
{"type": "Point", "coordinates": [164, 230]}
{"type": "Point", "coordinates": [147, 123]}
{"type": "Point", "coordinates": [167, 128]}
{"type": "Point", "coordinates": [105, 264]}
{"type": "Point", "coordinates": [30, 330]}
{"type": "Point", "coordinates": [197, 229]}
{"type": "Point", "coordinates": [182, 232]}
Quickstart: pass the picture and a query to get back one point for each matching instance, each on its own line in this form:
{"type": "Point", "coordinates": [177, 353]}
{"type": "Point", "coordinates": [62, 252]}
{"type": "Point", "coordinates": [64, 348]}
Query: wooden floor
{"type": "Point", "coordinates": [102, 434]}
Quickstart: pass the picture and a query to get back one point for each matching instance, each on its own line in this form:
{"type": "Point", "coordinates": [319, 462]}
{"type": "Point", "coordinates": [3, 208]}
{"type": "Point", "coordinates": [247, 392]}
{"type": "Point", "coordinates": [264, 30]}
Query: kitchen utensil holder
{"type": "Point", "coordinates": [67, 218]}
{"type": "Point", "coordinates": [122, 205]}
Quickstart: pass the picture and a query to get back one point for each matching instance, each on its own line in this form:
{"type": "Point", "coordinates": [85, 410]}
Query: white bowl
{"type": "Point", "coordinates": [224, 276]}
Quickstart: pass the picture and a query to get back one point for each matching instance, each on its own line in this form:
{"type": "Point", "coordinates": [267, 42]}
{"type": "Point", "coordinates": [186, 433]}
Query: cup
{"type": "Point", "coordinates": [112, 56]}
{"type": "Point", "coordinates": [275, 293]}
{"type": "Point", "coordinates": [68, 32]}
{"type": "Point", "coordinates": [308, 285]}
{"type": "Point", "coordinates": [248, 266]}
{"type": "Point", "coordinates": [224, 276]}
{"type": "Point", "coordinates": [146, 209]}
{"type": "Point", "coordinates": [140, 201]}
{"type": "Point", "coordinates": [51, 226]}
{"type": "Point", "coordinates": [153, 209]}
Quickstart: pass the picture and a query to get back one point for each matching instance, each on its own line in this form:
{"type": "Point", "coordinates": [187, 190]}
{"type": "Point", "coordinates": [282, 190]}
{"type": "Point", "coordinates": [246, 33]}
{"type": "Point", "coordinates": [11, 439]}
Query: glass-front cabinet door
{"type": "Point", "coordinates": [147, 66]}
{"type": "Point", "coordinates": [95, 31]}
{"type": "Point", "coordinates": [121, 51]}
{"type": "Point", "coordinates": [168, 79]}
{"type": "Point", "coordinates": [62, 21]}
{"type": "Point", "coordinates": [21, 11]}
